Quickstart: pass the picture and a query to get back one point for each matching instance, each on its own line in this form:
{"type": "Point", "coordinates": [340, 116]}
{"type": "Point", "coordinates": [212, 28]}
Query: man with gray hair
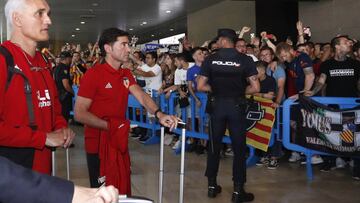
{"type": "Point", "coordinates": [30, 112]}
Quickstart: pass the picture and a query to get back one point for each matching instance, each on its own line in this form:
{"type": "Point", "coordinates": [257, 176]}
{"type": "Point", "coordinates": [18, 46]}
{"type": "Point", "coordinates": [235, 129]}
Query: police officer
{"type": "Point", "coordinates": [228, 76]}
{"type": "Point", "coordinates": [64, 83]}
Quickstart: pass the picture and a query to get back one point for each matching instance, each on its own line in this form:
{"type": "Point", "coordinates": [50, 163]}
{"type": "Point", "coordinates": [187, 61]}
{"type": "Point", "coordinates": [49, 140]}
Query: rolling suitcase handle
{"type": "Point", "coordinates": [53, 162]}
{"type": "Point", "coordinates": [182, 167]}
{"type": "Point", "coordinates": [161, 171]}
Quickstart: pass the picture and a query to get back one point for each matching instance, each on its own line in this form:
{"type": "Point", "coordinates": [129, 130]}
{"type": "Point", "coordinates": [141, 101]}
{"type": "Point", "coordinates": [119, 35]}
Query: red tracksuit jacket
{"type": "Point", "coordinates": [14, 119]}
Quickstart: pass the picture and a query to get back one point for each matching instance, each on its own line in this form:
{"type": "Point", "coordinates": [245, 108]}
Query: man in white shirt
{"type": "Point", "coordinates": [151, 72]}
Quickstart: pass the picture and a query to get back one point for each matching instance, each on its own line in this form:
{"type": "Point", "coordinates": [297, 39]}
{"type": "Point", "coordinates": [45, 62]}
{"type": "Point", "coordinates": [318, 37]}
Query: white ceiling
{"type": "Point", "coordinates": [100, 14]}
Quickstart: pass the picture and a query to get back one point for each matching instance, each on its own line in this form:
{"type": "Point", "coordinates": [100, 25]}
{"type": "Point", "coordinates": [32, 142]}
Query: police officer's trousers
{"type": "Point", "coordinates": [227, 112]}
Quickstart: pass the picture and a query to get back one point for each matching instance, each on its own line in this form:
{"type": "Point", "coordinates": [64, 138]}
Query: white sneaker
{"type": "Point", "coordinates": [316, 159]}
{"type": "Point", "coordinates": [351, 163]}
{"type": "Point", "coordinates": [177, 144]}
{"type": "Point", "coordinates": [340, 163]}
{"type": "Point", "coordinates": [168, 139]}
{"type": "Point", "coordinates": [295, 156]}
{"type": "Point", "coordinates": [229, 152]}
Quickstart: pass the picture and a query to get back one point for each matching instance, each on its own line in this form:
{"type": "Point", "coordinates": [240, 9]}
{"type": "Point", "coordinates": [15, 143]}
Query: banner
{"type": "Point", "coordinates": [260, 119]}
{"type": "Point", "coordinates": [327, 129]}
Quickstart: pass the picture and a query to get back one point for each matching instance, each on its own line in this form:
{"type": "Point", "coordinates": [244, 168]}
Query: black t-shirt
{"type": "Point", "coordinates": [341, 77]}
{"type": "Point", "coordinates": [268, 85]}
{"type": "Point", "coordinates": [227, 71]}
{"type": "Point", "coordinates": [61, 72]}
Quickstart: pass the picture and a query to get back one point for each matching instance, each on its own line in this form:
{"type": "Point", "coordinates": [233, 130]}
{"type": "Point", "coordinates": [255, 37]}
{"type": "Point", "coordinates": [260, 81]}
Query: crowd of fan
{"type": "Point", "coordinates": [281, 66]}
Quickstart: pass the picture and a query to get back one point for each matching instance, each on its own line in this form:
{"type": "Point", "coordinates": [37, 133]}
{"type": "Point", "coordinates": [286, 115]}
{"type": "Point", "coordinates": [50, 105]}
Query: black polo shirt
{"type": "Point", "coordinates": [61, 72]}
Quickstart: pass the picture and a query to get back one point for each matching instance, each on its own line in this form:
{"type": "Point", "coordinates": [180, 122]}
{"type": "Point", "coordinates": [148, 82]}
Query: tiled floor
{"type": "Point", "coordinates": [287, 184]}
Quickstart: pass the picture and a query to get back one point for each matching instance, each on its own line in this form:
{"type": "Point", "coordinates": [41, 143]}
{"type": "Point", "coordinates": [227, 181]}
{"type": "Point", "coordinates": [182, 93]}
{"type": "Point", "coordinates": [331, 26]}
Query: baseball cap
{"type": "Point", "coordinates": [228, 33]}
{"type": "Point", "coordinates": [65, 54]}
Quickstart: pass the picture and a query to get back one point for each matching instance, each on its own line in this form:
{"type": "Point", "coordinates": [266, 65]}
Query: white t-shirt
{"type": "Point", "coordinates": [180, 77]}
{"type": "Point", "coordinates": [155, 82]}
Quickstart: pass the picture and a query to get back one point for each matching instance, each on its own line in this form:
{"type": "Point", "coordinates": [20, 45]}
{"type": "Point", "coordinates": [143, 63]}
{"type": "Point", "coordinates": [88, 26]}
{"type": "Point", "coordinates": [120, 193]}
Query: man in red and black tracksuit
{"type": "Point", "coordinates": [24, 144]}
{"type": "Point", "coordinates": [101, 105]}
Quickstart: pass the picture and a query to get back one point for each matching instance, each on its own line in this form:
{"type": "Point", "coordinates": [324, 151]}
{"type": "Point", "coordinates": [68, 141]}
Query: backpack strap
{"type": "Point", "coordinates": [11, 70]}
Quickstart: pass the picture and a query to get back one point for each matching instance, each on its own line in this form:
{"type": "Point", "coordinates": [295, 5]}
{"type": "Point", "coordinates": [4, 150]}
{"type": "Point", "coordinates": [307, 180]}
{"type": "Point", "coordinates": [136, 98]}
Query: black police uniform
{"type": "Point", "coordinates": [61, 72]}
{"type": "Point", "coordinates": [227, 71]}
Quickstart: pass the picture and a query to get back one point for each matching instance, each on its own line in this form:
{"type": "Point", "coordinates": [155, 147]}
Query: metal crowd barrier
{"type": "Point", "coordinates": [342, 102]}
{"type": "Point", "coordinates": [169, 106]}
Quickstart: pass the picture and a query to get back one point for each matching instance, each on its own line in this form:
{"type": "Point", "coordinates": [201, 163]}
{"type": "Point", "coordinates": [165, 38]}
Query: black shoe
{"type": "Point", "coordinates": [243, 196]}
{"type": "Point", "coordinates": [214, 190]}
{"type": "Point", "coordinates": [327, 167]}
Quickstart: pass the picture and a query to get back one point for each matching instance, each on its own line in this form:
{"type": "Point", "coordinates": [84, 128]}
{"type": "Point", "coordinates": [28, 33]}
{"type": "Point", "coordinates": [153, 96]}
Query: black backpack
{"type": "Point", "coordinates": [21, 155]}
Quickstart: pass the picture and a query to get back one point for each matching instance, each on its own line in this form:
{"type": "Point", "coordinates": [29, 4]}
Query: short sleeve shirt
{"type": "Point", "coordinates": [267, 85]}
{"type": "Point", "coordinates": [295, 73]}
{"type": "Point", "coordinates": [61, 72]}
{"type": "Point", "coordinates": [341, 77]}
{"type": "Point", "coordinates": [108, 89]}
{"type": "Point", "coordinates": [192, 74]}
{"type": "Point", "coordinates": [227, 71]}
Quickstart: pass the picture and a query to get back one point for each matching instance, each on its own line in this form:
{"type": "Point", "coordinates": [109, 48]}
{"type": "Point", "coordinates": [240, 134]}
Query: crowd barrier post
{"type": "Point", "coordinates": [342, 102]}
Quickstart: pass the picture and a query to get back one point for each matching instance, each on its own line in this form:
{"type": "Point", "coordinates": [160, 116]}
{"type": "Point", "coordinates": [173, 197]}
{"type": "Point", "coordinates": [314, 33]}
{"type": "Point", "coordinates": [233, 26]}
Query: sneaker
{"type": "Point", "coordinates": [243, 196]}
{"type": "Point", "coordinates": [351, 163]}
{"type": "Point", "coordinates": [315, 159]}
{"type": "Point", "coordinates": [356, 175]}
{"type": "Point", "coordinates": [200, 149]}
{"type": "Point", "coordinates": [213, 191]}
{"type": "Point", "coordinates": [340, 163]}
{"type": "Point", "coordinates": [135, 136]}
{"type": "Point", "coordinates": [168, 139]}
{"type": "Point", "coordinates": [262, 161]}
{"type": "Point", "coordinates": [229, 152]}
{"type": "Point", "coordinates": [143, 138]}
{"type": "Point", "coordinates": [176, 145]}
{"type": "Point", "coordinates": [327, 167]}
{"type": "Point", "coordinates": [273, 164]}
{"type": "Point", "coordinates": [295, 156]}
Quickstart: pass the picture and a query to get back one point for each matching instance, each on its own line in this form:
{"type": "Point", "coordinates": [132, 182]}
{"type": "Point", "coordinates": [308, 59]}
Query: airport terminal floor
{"type": "Point", "coordinates": [286, 184]}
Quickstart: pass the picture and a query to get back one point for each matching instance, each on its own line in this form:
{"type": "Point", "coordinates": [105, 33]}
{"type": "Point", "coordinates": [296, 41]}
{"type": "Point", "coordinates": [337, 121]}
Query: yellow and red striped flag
{"type": "Point", "coordinates": [260, 121]}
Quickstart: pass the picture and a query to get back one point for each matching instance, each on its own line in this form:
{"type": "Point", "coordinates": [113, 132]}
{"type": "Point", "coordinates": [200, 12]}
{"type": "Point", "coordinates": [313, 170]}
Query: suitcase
{"type": "Point", "coordinates": [182, 166]}
{"type": "Point", "coordinates": [53, 162]}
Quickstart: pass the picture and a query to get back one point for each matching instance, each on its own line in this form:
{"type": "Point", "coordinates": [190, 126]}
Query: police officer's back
{"type": "Point", "coordinates": [64, 84]}
{"type": "Point", "coordinates": [226, 74]}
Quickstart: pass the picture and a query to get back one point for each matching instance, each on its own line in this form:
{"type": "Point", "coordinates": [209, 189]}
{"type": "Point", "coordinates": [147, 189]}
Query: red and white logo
{"type": "Point", "coordinates": [108, 86]}
{"type": "Point", "coordinates": [44, 98]}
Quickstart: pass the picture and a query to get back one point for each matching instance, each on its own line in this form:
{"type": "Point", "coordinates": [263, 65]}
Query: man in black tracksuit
{"type": "Point", "coordinates": [226, 74]}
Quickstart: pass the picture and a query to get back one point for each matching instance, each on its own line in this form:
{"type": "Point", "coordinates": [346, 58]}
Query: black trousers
{"type": "Point", "coordinates": [93, 163]}
{"type": "Point", "coordinates": [227, 112]}
{"type": "Point", "coordinates": [66, 107]}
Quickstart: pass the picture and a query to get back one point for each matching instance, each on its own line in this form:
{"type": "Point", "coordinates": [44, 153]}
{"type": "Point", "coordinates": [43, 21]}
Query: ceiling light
{"type": "Point", "coordinates": [82, 22]}
{"type": "Point", "coordinates": [95, 4]}
{"type": "Point", "coordinates": [77, 29]}
{"type": "Point", "coordinates": [73, 35]}
{"type": "Point", "coordinates": [131, 29]}
{"type": "Point", "coordinates": [144, 23]}
{"type": "Point", "coordinates": [152, 35]}
{"type": "Point", "coordinates": [171, 29]}
{"type": "Point", "coordinates": [168, 11]}
{"type": "Point", "coordinates": [141, 24]}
